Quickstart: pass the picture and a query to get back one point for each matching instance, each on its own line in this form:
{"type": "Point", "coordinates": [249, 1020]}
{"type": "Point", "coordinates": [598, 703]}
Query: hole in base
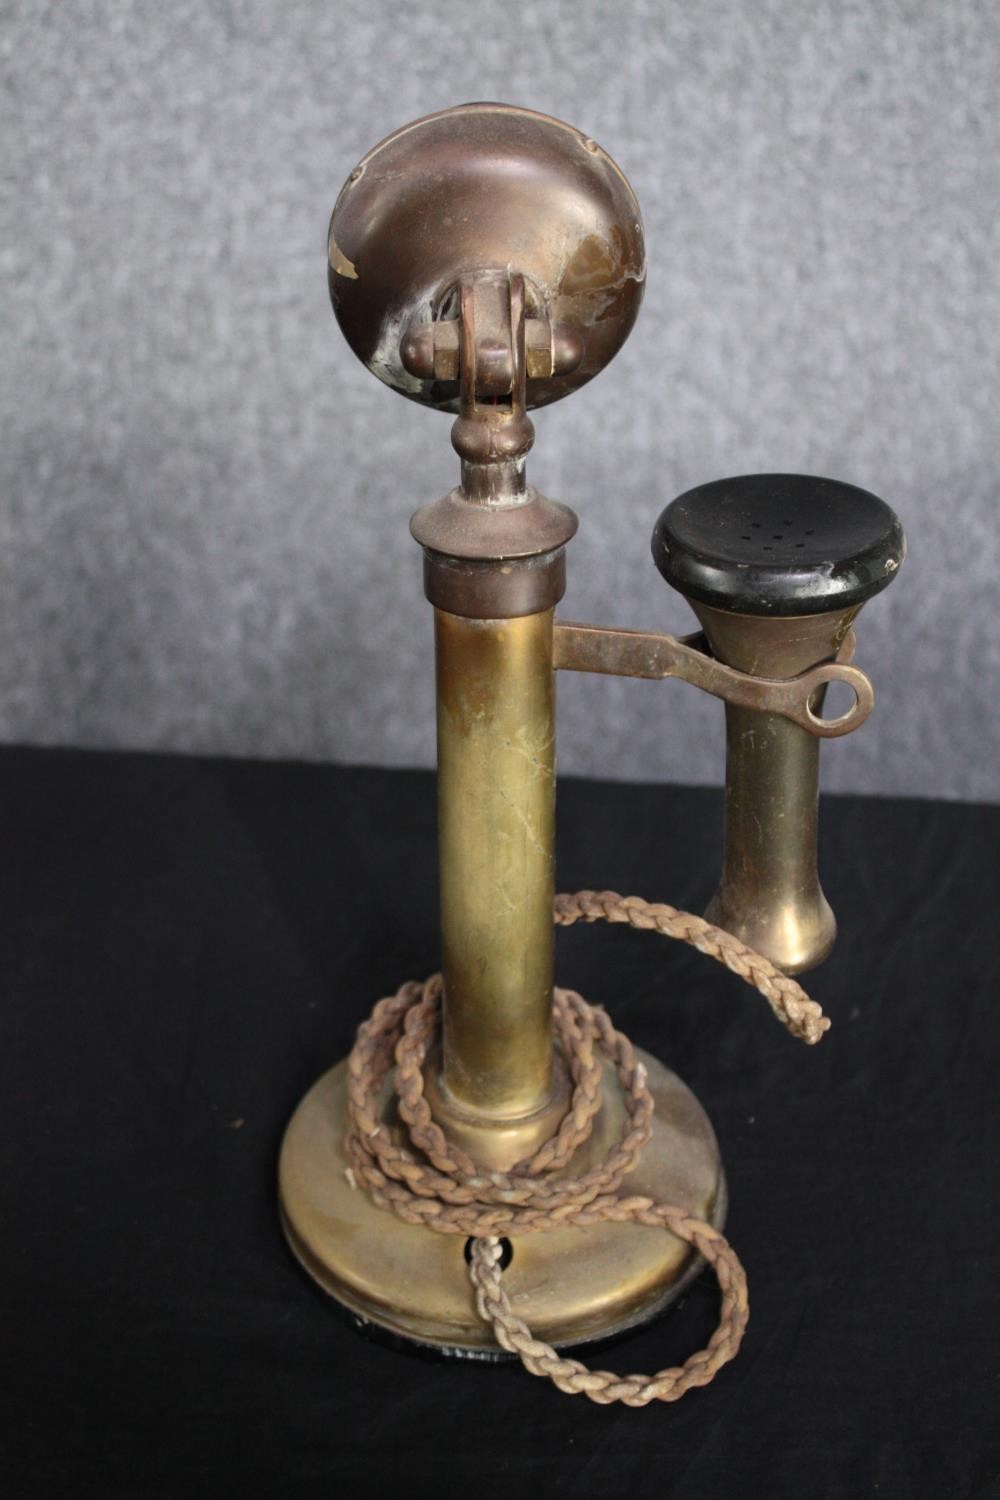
{"type": "Point", "coordinates": [506, 1253]}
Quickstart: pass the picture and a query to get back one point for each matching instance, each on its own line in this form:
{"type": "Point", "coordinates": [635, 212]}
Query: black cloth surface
{"type": "Point", "coordinates": [187, 944]}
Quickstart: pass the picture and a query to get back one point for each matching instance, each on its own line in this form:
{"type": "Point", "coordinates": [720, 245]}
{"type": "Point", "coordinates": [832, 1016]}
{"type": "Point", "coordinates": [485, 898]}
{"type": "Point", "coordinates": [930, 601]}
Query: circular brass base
{"type": "Point", "coordinates": [571, 1285]}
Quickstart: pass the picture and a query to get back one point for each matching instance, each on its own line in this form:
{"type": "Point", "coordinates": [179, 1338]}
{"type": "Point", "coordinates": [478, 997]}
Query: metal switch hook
{"type": "Point", "coordinates": [645, 653]}
{"type": "Point", "coordinates": [852, 718]}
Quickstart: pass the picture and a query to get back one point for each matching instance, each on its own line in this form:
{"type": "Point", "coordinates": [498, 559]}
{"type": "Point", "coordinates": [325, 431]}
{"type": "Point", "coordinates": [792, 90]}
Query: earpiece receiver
{"type": "Point", "coordinates": [776, 568]}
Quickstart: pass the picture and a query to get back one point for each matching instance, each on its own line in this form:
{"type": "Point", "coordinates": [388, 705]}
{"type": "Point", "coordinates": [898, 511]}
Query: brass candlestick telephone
{"type": "Point", "coordinates": [483, 261]}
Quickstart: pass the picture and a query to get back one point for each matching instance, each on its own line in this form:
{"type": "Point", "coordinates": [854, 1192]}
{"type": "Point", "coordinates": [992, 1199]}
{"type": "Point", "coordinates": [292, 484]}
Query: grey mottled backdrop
{"type": "Point", "coordinates": [204, 499]}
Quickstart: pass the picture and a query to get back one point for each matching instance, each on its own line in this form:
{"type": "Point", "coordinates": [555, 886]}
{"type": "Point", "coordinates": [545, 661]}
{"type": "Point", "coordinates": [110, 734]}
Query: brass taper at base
{"type": "Point", "coordinates": [572, 1286]}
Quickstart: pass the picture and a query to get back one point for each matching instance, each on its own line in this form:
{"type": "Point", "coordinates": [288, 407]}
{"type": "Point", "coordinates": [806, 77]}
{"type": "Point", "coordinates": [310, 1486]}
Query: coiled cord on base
{"type": "Point", "coordinates": [448, 1192]}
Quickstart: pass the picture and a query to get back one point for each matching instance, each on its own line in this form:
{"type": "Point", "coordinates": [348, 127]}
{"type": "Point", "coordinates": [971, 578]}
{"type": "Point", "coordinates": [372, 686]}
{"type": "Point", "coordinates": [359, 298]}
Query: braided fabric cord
{"type": "Point", "coordinates": [444, 1189]}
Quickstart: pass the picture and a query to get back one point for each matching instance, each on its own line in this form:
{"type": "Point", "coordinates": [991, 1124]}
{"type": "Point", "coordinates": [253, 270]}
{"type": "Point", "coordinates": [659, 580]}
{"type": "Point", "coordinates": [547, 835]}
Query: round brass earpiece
{"type": "Point", "coordinates": [486, 187]}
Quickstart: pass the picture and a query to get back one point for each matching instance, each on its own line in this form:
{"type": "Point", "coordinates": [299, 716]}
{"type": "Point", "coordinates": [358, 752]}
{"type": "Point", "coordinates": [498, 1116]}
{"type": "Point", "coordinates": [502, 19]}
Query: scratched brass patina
{"type": "Point", "coordinates": [769, 894]}
{"type": "Point", "coordinates": [496, 841]}
{"type": "Point", "coordinates": [476, 187]}
{"type": "Point", "coordinates": [571, 1285]}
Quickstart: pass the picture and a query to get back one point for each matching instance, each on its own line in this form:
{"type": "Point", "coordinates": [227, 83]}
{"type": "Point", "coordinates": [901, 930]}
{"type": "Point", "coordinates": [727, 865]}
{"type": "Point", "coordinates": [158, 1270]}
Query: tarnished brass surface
{"type": "Point", "coordinates": [769, 895]}
{"type": "Point", "coordinates": [496, 829]}
{"type": "Point", "coordinates": [432, 350]}
{"type": "Point", "coordinates": [486, 590]}
{"type": "Point", "coordinates": [645, 653]}
{"type": "Point", "coordinates": [570, 1285]}
{"type": "Point", "coordinates": [454, 527]}
{"type": "Point", "coordinates": [497, 1144]}
{"type": "Point", "coordinates": [475, 187]}
{"type": "Point", "coordinates": [494, 516]}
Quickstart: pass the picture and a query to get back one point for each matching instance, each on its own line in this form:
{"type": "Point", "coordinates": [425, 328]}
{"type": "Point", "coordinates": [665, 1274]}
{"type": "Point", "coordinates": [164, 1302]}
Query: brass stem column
{"type": "Point", "coordinates": [496, 819]}
{"type": "Point", "coordinates": [494, 568]}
